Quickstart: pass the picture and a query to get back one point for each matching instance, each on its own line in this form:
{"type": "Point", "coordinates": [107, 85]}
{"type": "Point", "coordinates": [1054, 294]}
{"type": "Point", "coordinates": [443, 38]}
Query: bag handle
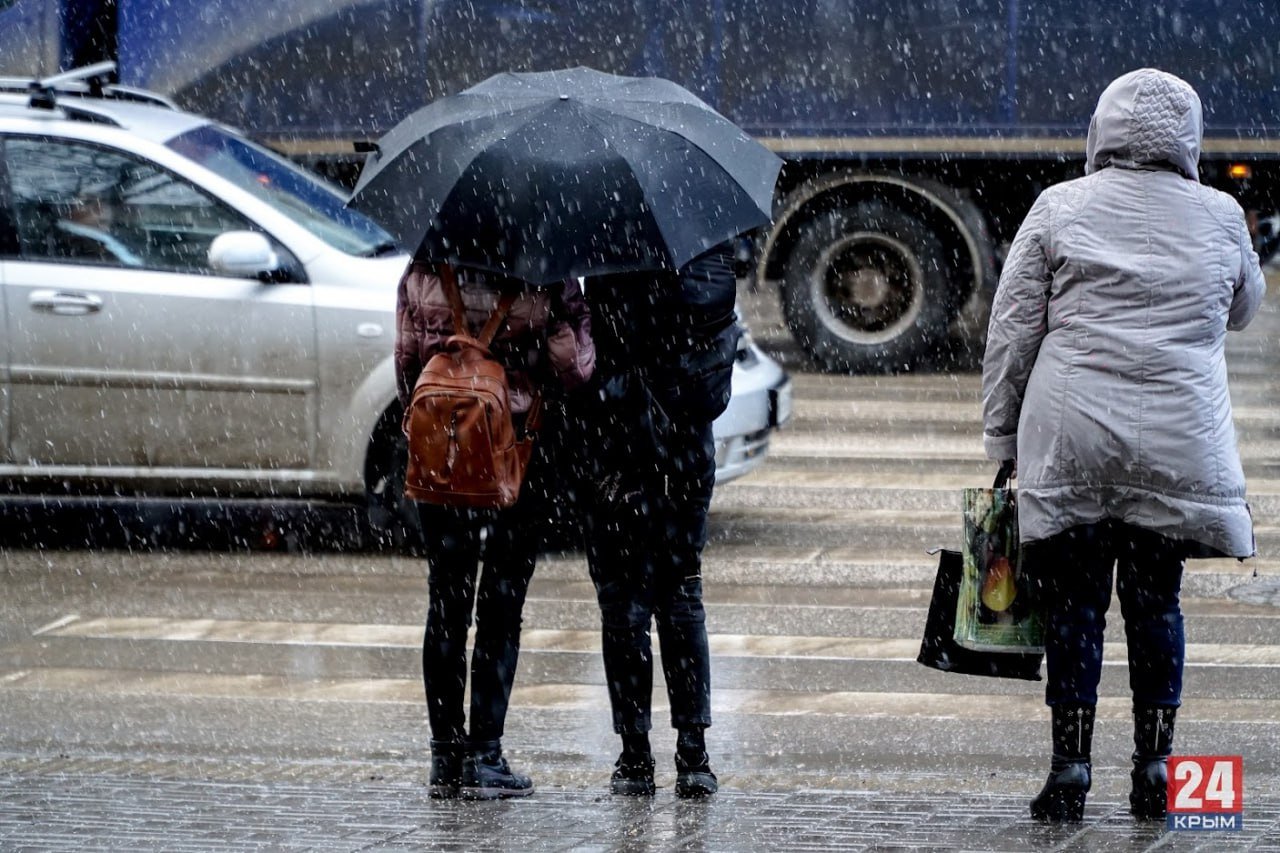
{"type": "Point", "coordinates": [449, 279]}
{"type": "Point", "coordinates": [1007, 467]}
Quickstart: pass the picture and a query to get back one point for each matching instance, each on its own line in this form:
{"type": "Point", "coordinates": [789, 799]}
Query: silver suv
{"type": "Point", "coordinates": [187, 314]}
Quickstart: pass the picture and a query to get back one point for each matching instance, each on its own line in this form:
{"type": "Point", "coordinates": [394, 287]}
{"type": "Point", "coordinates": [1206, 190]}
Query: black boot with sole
{"type": "Point", "coordinates": [693, 767]}
{"type": "Point", "coordinates": [1070, 774]}
{"type": "Point", "coordinates": [633, 772]}
{"type": "Point", "coordinates": [487, 776]}
{"type": "Point", "coordinates": [446, 768]}
{"type": "Point", "coordinates": [1153, 743]}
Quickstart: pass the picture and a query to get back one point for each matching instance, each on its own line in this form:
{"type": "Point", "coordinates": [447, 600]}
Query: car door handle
{"type": "Point", "coordinates": [64, 302]}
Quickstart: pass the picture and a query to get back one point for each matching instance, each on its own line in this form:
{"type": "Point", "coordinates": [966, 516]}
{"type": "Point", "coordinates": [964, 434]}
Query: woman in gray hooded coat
{"type": "Point", "coordinates": [1105, 379]}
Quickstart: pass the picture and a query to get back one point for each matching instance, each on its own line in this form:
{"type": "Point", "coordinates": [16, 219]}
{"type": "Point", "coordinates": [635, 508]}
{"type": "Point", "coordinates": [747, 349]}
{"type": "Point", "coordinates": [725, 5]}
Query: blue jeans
{"type": "Point", "coordinates": [644, 550]}
{"type": "Point", "coordinates": [1072, 575]}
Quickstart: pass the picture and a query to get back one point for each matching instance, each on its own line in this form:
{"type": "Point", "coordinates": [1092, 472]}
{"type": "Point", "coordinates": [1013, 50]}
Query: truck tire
{"type": "Point", "coordinates": [866, 289]}
{"type": "Point", "coordinates": [393, 522]}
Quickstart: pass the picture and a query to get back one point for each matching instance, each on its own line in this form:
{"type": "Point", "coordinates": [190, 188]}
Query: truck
{"type": "Point", "coordinates": [915, 133]}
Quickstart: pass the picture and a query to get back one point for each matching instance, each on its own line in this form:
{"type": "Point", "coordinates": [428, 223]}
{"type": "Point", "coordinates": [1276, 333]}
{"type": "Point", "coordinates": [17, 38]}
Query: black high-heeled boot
{"type": "Point", "coordinates": [1070, 773]}
{"type": "Point", "coordinates": [1153, 744]}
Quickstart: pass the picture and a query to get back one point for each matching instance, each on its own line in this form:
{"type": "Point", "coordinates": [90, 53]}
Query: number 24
{"type": "Point", "coordinates": [1220, 788]}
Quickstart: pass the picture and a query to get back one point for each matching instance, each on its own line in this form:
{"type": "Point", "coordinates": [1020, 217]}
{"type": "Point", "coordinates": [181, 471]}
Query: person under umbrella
{"type": "Point", "coordinates": [559, 174]}
{"type": "Point", "coordinates": [666, 345]}
{"type": "Point", "coordinates": [544, 343]}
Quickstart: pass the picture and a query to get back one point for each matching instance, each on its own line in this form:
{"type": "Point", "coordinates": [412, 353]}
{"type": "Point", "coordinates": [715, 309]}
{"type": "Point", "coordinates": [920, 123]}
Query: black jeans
{"type": "Point", "coordinates": [505, 559]}
{"type": "Point", "coordinates": [645, 533]}
{"type": "Point", "coordinates": [1072, 575]}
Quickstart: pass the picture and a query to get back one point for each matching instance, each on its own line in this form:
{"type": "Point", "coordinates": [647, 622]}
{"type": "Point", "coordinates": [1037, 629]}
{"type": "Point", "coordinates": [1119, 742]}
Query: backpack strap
{"type": "Point", "coordinates": [449, 282]}
{"type": "Point", "coordinates": [495, 319]}
{"type": "Point", "coordinates": [449, 279]}
{"type": "Point", "coordinates": [533, 419]}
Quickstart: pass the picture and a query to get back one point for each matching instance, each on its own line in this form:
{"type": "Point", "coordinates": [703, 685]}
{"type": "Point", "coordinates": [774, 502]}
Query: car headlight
{"type": "Point", "coordinates": [745, 354]}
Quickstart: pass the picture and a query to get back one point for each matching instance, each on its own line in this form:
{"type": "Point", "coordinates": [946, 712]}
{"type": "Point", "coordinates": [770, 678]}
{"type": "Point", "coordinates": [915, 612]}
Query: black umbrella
{"type": "Point", "coordinates": [562, 173]}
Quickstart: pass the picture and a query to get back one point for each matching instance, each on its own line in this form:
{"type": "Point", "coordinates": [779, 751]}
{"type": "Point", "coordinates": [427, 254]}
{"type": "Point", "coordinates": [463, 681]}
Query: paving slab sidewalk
{"type": "Point", "coordinates": [55, 811]}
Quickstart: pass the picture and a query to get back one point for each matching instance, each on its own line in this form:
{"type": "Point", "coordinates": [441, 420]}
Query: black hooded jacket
{"type": "Point", "coordinates": [675, 332]}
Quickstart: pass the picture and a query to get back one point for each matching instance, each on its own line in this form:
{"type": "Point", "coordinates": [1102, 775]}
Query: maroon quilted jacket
{"type": "Point", "coordinates": [546, 335]}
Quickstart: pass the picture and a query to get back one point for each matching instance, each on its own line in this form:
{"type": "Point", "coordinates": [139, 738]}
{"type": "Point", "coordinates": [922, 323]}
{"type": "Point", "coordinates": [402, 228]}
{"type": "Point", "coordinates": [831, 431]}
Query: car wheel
{"type": "Point", "coordinates": [867, 289]}
{"type": "Point", "coordinates": [393, 520]}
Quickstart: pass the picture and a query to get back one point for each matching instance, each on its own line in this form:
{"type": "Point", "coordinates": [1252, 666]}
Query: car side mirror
{"type": "Point", "coordinates": [244, 254]}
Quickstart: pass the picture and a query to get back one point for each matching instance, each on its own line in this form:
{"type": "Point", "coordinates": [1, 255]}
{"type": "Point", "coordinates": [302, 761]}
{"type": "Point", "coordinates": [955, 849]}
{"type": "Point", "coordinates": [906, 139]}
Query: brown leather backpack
{"type": "Point", "coordinates": [463, 449]}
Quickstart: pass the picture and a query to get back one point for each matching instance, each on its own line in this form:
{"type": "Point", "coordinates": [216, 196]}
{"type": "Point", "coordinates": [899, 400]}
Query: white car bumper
{"type": "Point", "coordinates": [760, 403]}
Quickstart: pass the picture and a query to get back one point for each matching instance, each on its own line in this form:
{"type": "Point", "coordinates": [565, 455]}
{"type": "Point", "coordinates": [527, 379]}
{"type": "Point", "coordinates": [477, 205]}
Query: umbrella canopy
{"type": "Point", "coordinates": [555, 174]}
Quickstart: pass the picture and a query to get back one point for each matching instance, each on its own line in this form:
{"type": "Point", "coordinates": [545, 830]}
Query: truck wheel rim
{"type": "Point", "coordinates": [868, 287]}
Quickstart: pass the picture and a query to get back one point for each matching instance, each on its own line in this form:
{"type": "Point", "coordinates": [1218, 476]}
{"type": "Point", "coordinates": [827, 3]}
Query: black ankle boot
{"type": "Point", "coordinates": [1070, 773]}
{"type": "Point", "coordinates": [487, 776]}
{"type": "Point", "coordinates": [693, 768]}
{"type": "Point", "coordinates": [1153, 743]}
{"type": "Point", "coordinates": [694, 777]}
{"type": "Point", "coordinates": [446, 768]}
{"type": "Point", "coordinates": [633, 772]}
{"type": "Point", "coordinates": [633, 775]}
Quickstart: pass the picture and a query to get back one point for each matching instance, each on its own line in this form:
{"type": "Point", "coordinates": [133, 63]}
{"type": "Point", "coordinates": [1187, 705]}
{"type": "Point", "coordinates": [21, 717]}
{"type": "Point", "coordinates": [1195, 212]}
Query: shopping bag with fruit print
{"type": "Point", "coordinates": [994, 611]}
{"type": "Point", "coordinates": [938, 646]}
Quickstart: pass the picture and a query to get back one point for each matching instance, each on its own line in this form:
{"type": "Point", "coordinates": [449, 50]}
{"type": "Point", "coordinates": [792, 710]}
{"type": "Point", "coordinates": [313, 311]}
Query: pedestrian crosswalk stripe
{"type": "Point", "coordinates": [340, 634]}
{"type": "Point", "coordinates": [909, 448]}
{"type": "Point", "coordinates": [965, 414]}
{"type": "Point", "coordinates": [768, 703]}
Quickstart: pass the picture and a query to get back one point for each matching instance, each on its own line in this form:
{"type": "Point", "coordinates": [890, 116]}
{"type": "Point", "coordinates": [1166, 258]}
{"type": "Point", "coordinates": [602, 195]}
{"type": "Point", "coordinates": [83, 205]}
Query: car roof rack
{"type": "Point", "coordinates": [90, 81]}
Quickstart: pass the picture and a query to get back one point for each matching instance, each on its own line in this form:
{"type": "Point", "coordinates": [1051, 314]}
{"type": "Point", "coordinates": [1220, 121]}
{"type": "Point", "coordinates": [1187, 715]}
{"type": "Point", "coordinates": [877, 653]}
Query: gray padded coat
{"type": "Point", "coordinates": [1104, 373]}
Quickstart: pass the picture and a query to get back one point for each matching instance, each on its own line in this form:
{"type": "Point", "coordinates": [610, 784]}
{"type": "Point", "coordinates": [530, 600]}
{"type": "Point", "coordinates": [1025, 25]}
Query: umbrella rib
{"type": "Point", "coordinates": [393, 148]}
{"type": "Point", "coordinates": [686, 139]}
{"type": "Point", "coordinates": [723, 171]}
{"type": "Point", "coordinates": [589, 113]}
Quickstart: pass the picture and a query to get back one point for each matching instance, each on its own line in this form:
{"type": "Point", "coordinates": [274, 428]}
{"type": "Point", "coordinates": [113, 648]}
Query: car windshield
{"type": "Point", "coordinates": [304, 198]}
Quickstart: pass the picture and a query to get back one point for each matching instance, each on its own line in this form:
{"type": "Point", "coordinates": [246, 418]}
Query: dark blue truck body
{"type": "Point", "coordinates": [930, 123]}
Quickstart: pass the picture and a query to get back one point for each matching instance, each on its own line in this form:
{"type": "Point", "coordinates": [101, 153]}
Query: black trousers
{"type": "Point", "coordinates": [501, 546]}
{"type": "Point", "coordinates": [1072, 576]}
{"type": "Point", "coordinates": [646, 528]}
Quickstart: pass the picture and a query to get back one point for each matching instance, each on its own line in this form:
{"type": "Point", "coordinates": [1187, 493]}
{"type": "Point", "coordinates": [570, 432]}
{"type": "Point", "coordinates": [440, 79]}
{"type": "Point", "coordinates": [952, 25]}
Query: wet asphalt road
{"type": "Point", "coordinates": [246, 651]}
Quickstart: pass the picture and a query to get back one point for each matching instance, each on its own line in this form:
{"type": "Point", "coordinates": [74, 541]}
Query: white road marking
{"type": "Point", "coordinates": [348, 634]}
{"type": "Point", "coordinates": [55, 624]}
{"type": "Point", "coordinates": [770, 703]}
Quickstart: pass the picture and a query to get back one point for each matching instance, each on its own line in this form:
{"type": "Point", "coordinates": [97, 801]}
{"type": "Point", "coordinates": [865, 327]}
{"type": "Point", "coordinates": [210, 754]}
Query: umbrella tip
{"type": "Point", "coordinates": [564, 97]}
